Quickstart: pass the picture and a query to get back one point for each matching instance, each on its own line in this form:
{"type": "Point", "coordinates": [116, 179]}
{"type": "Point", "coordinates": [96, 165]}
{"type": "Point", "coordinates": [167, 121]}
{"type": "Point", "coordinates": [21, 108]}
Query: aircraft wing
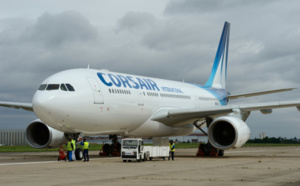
{"type": "Point", "coordinates": [179, 117]}
{"type": "Point", "coordinates": [17, 105]}
{"type": "Point", "coordinates": [258, 93]}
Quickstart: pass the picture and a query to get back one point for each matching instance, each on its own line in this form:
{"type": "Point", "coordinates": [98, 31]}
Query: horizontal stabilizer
{"type": "Point", "coordinates": [237, 96]}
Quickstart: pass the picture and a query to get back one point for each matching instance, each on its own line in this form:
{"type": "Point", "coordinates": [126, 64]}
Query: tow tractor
{"type": "Point", "coordinates": [134, 149]}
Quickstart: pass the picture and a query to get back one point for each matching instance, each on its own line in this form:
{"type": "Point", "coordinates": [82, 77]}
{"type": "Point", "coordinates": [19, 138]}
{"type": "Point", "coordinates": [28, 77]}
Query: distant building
{"type": "Point", "coordinates": [193, 138]}
{"type": "Point", "coordinates": [262, 135]}
{"type": "Point", "coordinates": [12, 137]}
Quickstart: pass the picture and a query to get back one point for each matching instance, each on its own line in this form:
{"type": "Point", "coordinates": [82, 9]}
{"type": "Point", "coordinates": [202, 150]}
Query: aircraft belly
{"type": "Point", "coordinates": [156, 129]}
{"type": "Point", "coordinates": [108, 119]}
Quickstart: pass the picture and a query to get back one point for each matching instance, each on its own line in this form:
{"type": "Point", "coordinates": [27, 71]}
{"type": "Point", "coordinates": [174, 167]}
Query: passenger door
{"type": "Point", "coordinates": [98, 95]}
{"type": "Point", "coordinates": [141, 98]}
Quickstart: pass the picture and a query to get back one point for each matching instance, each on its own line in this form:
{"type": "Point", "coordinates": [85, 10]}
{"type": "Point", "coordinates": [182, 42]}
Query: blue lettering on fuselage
{"type": "Point", "coordinates": [136, 85]}
{"type": "Point", "coordinates": [100, 75]}
{"type": "Point", "coordinates": [142, 83]}
{"type": "Point", "coordinates": [115, 80]}
{"type": "Point", "coordinates": [168, 89]}
{"type": "Point", "coordinates": [153, 84]}
{"type": "Point", "coordinates": [110, 79]}
{"type": "Point", "coordinates": [124, 81]}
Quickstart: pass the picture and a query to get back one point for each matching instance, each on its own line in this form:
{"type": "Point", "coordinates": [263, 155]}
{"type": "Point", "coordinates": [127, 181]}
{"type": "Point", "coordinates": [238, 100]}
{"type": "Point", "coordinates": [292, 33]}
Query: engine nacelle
{"type": "Point", "coordinates": [228, 132]}
{"type": "Point", "coordinates": [40, 135]}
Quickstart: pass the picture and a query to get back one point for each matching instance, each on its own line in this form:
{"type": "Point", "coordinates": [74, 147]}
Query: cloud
{"type": "Point", "coordinates": [32, 50]}
{"type": "Point", "coordinates": [133, 21]}
{"type": "Point", "coordinates": [179, 44]}
{"type": "Point", "coordinates": [57, 30]}
{"type": "Point", "coordinates": [208, 7]}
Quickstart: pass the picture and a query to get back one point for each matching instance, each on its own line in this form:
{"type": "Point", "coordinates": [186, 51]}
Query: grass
{"type": "Point", "coordinates": [97, 147]}
{"type": "Point", "coordinates": [268, 144]}
{"type": "Point", "coordinates": [31, 149]}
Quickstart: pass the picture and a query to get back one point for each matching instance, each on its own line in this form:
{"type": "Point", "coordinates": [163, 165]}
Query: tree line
{"type": "Point", "coordinates": [275, 140]}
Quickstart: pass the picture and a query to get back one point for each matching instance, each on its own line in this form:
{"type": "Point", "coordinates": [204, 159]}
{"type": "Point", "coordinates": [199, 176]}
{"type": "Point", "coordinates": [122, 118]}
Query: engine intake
{"type": "Point", "coordinates": [228, 132]}
{"type": "Point", "coordinates": [40, 135]}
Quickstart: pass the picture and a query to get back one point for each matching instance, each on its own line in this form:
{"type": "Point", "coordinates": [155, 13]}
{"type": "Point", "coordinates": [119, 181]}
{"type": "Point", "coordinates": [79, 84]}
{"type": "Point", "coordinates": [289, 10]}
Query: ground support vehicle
{"type": "Point", "coordinates": [157, 152]}
{"type": "Point", "coordinates": [134, 149]}
{"type": "Point", "coordinates": [61, 153]}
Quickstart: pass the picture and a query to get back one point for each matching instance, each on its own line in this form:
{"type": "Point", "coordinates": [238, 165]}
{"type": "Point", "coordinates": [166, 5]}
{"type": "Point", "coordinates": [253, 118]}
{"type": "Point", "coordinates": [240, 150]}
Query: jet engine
{"type": "Point", "coordinates": [40, 135]}
{"type": "Point", "coordinates": [228, 132]}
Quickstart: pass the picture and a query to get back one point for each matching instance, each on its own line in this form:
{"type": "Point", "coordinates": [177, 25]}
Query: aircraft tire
{"type": "Point", "coordinates": [107, 149]}
{"type": "Point", "coordinates": [78, 154]}
{"type": "Point", "coordinates": [220, 152]}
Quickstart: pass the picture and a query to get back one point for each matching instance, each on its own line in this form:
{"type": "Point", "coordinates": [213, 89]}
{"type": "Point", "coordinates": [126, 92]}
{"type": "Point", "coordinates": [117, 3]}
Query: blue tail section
{"type": "Point", "coordinates": [218, 74]}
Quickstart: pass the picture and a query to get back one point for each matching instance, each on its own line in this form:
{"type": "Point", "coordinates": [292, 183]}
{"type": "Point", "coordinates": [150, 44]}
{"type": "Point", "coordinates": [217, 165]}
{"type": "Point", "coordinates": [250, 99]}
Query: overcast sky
{"type": "Point", "coordinates": [170, 39]}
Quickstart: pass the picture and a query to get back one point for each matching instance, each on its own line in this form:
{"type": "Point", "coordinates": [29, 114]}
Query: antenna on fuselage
{"type": "Point", "coordinates": [88, 67]}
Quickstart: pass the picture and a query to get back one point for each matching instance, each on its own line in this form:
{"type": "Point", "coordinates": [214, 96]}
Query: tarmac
{"type": "Point", "coordinates": [244, 166]}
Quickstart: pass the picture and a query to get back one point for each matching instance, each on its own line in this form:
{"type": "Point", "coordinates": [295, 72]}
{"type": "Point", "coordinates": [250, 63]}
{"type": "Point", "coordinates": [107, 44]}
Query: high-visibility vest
{"type": "Point", "coordinates": [86, 145]}
{"type": "Point", "coordinates": [172, 146]}
{"type": "Point", "coordinates": [73, 141]}
{"type": "Point", "coordinates": [69, 146]}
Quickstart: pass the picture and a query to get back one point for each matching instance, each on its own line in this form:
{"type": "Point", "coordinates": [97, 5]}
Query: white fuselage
{"type": "Point", "coordinates": [107, 102]}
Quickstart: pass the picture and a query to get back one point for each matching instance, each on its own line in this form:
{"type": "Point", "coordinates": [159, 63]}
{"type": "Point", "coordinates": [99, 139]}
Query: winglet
{"type": "Point", "coordinates": [218, 74]}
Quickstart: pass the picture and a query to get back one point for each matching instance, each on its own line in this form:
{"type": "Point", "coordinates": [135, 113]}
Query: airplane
{"type": "Point", "coordinates": [87, 102]}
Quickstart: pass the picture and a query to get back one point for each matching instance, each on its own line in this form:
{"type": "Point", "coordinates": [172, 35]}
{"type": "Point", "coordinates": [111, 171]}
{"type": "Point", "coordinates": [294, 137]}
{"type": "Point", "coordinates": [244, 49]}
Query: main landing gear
{"type": "Point", "coordinates": [111, 150]}
{"type": "Point", "coordinates": [207, 149]}
{"type": "Point", "coordinates": [78, 151]}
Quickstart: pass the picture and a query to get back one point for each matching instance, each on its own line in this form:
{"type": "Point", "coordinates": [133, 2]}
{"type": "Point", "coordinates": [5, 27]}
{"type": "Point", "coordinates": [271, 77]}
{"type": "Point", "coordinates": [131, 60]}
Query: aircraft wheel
{"type": "Point", "coordinates": [78, 154]}
{"type": "Point", "coordinates": [107, 149]}
{"type": "Point", "coordinates": [220, 152]}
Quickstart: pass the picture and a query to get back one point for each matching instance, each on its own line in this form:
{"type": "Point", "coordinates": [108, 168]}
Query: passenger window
{"type": "Point", "coordinates": [53, 87]}
{"type": "Point", "coordinates": [70, 87]}
{"type": "Point", "coordinates": [43, 87]}
{"type": "Point", "coordinates": [63, 87]}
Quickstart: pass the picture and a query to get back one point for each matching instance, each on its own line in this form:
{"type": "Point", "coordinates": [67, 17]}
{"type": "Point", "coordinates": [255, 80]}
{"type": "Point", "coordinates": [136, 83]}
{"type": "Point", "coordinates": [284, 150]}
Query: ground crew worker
{"type": "Point", "coordinates": [86, 146]}
{"type": "Point", "coordinates": [73, 152]}
{"type": "Point", "coordinates": [172, 149]}
{"type": "Point", "coordinates": [70, 147]}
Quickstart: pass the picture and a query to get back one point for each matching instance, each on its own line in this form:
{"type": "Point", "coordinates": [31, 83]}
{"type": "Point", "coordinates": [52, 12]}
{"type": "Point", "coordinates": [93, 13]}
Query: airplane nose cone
{"type": "Point", "coordinates": [43, 104]}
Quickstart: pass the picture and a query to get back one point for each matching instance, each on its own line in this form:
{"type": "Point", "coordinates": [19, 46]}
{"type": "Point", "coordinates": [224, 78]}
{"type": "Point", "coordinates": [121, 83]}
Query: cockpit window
{"type": "Point", "coordinates": [63, 87]}
{"type": "Point", "coordinates": [70, 87]}
{"type": "Point", "coordinates": [53, 87]}
{"type": "Point", "coordinates": [43, 87]}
